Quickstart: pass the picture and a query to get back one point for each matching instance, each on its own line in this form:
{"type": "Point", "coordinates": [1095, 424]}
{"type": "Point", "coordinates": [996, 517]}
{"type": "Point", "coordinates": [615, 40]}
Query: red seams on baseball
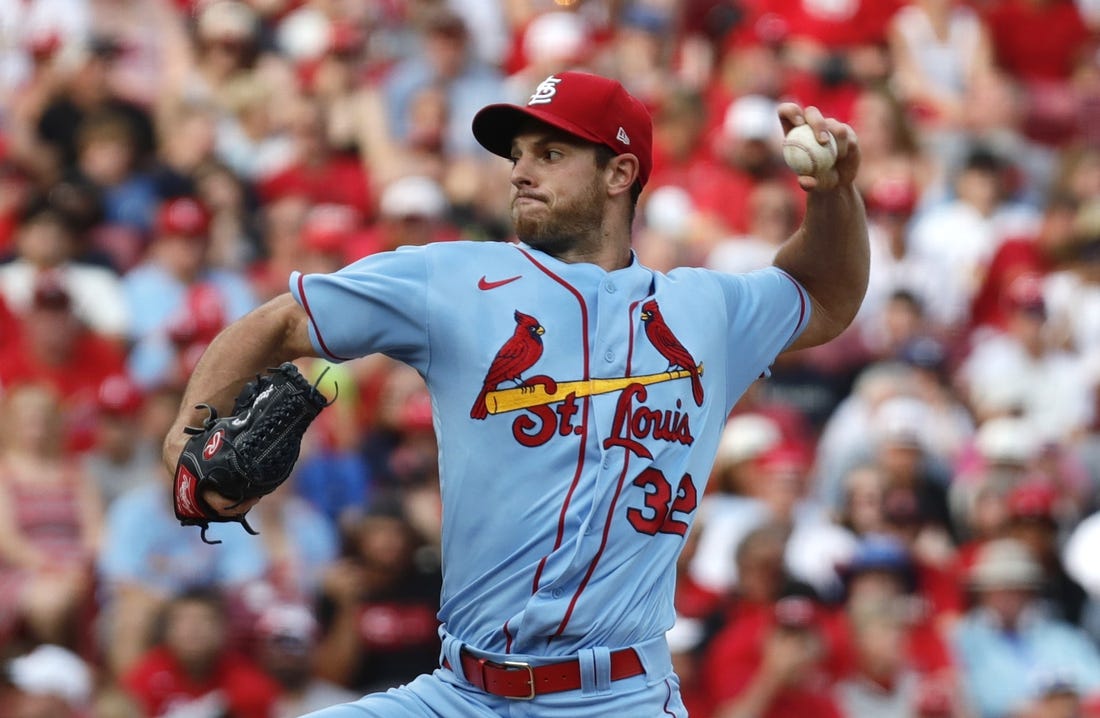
{"type": "Point", "coordinates": [805, 155]}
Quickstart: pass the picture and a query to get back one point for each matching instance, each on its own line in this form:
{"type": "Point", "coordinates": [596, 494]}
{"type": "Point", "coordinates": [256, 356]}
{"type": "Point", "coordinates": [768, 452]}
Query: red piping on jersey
{"type": "Point", "coordinates": [614, 499]}
{"type": "Point", "coordinates": [584, 435]}
{"type": "Point", "coordinates": [507, 638]}
{"type": "Point", "coordinates": [603, 544]}
{"type": "Point", "coordinates": [317, 329]}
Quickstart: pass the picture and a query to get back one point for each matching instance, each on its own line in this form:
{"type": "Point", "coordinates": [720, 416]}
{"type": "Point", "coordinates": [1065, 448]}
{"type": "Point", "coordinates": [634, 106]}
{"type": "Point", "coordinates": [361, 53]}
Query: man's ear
{"type": "Point", "coordinates": [622, 173]}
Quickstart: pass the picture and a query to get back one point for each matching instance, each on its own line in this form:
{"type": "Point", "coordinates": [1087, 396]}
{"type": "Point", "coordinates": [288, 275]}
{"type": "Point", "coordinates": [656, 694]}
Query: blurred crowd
{"type": "Point", "coordinates": [902, 523]}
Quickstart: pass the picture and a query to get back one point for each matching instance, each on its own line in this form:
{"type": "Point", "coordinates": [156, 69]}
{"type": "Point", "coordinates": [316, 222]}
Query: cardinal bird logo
{"type": "Point", "coordinates": [518, 354]}
{"type": "Point", "coordinates": [666, 343]}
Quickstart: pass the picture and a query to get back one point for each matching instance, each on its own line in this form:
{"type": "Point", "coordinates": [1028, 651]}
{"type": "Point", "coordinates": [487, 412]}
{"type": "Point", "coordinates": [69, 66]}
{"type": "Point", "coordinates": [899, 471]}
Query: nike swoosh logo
{"type": "Point", "coordinates": [484, 284]}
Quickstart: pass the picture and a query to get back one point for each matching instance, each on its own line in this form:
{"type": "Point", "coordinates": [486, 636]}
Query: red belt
{"type": "Point", "coordinates": [522, 681]}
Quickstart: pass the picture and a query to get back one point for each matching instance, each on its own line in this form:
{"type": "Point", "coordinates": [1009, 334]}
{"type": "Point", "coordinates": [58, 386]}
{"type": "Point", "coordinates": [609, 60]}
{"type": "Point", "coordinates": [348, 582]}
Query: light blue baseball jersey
{"type": "Point", "coordinates": [578, 413]}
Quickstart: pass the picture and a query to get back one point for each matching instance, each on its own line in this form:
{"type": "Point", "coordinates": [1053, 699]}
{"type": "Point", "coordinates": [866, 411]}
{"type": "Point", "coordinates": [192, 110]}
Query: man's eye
{"type": "Point", "coordinates": [554, 154]}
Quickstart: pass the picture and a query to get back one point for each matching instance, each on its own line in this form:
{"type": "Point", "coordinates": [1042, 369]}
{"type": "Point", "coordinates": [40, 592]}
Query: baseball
{"type": "Point", "coordinates": [805, 155]}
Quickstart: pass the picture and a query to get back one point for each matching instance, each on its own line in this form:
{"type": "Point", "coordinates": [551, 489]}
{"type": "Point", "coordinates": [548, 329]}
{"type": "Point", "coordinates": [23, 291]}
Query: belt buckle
{"type": "Point", "coordinates": [530, 678]}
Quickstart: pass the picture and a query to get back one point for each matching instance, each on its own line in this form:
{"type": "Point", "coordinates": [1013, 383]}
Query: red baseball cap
{"type": "Point", "coordinates": [119, 394]}
{"type": "Point", "coordinates": [183, 216]}
{"type": "Point", "coordinates": [1033, 499]}
{"type": "Point", "coordinates": [795, 612]}
{"type": "Point", "coordinates": [327, 227]}
{"type": "Point", "coordinates": [594, 108]}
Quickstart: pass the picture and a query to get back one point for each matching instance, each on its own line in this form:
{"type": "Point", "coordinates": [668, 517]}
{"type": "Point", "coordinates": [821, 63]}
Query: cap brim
{"type": "Point", "coordinates": [495, 126]}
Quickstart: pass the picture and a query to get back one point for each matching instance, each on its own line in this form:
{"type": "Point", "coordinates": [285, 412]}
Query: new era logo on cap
{"type": "Point", "coordinates": [594, 108]}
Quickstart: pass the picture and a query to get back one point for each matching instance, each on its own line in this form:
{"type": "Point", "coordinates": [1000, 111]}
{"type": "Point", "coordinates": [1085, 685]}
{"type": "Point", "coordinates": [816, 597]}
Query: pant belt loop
{"type": "Point", "coordinates": [595, 667]}
{"type": "Point", "coordinates": [603, 669]}
{"type": "Point", "coordinates": [451, 651]}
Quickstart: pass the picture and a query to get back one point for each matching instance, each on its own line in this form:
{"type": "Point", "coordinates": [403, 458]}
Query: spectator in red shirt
{"type": "Point", "coordinates": [883, 583]}
{"type": "Point", "coordinates": [1035, 255]}
{"type": "Point", "coordinates": [1043, 63]}
{"type": "Point", "coordinates": [776, 669]}
{"type": "Point", "coordinates": [325, 174]}
{"type": "Point", "coordinates": [192, 667]}
{"type": "Point", "coordinates": [747, 148]}
{"type": "Point", "coordinates": [1052, 54]}
{"type": "Point", "coordinates": [56, 348]}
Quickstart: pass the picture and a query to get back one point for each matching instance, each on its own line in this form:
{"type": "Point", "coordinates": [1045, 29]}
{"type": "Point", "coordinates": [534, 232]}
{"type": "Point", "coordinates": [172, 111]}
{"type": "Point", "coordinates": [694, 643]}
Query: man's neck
{"type": "Point", "coordinates": [608, 258]}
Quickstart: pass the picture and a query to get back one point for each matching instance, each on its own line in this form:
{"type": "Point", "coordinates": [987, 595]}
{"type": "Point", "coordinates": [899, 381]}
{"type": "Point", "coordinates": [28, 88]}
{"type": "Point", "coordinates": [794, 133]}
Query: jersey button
{"type": "Point", "coordinates": [609, 356]}
{"type": "Point", "coordinates": [610, 286]}
{"type": "Point", "coordinates": [556, 593]}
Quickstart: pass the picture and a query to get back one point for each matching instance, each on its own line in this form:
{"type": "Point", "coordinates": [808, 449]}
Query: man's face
{"type": "Point", "coordinates": [195, 633]}
{"type": "Point", "coordinates": [558, 192]}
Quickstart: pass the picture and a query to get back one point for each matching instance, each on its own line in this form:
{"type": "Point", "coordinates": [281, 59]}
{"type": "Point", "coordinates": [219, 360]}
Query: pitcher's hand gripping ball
{"type": "Point", "coordinates": [804, 154]}
{"type": "Point", "coordinates": [249, 454]}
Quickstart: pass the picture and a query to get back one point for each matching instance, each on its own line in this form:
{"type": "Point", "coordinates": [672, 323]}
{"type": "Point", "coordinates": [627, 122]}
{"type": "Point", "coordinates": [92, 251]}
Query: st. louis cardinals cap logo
{"type": "Point", "coordinates": [545, 91]}
{"type": "Point", "coordinates": [594, 108]}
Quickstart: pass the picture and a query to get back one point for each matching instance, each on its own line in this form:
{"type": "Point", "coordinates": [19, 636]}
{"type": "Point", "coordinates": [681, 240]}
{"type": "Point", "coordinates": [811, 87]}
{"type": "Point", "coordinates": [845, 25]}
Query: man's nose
{"type": "Point", "coordinates": [521, 173]}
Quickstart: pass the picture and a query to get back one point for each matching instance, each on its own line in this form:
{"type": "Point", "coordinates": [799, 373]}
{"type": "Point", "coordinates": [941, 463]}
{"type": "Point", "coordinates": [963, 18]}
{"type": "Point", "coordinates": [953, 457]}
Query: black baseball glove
{"type": "Point", "coordinates": [249, 454]}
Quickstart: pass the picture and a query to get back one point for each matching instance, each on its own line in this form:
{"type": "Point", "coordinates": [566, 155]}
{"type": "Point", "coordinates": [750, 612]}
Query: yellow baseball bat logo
{"type": "Point", "coordinates": [547, 391]}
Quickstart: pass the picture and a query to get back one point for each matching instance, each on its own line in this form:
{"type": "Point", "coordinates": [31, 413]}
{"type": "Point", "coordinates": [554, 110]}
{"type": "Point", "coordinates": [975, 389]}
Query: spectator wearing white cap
{"type": "Point", "coordinates": [413, 210]}
{"type": "Point", "coordinates": [47, 682]}
{"type": "Point", "coordinates": [726, 513]}
{"type": "Point", "coordinates": [1057, 393]}
{"type": "Point", "coordinates": [1007, 640]}
{"type": "Point", "coordinates": [761, 476]}
{"type": "Point", "coordinates": [844, 441]}
{"type": "Point", "coordinates": [224, 46]}
{"type": "Point", "coordinates": [551, 42]}
{"type": "Point", "coordinates": [747, 148]}
{"type": "Point", "coordinates": [902, 449]}
{"type": "Point", "coordinates": [286, 636]}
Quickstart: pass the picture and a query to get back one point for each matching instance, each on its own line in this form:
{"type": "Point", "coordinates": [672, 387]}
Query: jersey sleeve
{"type": "Point", "coordinates": [375, 305]}
{"type": "Point", "coordinates": [768, 310]}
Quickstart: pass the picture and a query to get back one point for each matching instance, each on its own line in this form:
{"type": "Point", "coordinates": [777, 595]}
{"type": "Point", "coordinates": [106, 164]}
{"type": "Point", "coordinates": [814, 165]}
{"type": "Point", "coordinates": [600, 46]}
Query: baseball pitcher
{"type": "Point", "coordinates": [577, 396]}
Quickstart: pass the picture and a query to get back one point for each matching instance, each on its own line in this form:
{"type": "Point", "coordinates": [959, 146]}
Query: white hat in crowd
{"type": "Point", "coordinates": [1005, 564]}
{"type": "Point", "coordinates": [747, 436]}
{"type": "Point", "coordinates": [226, 19]}
{"type": "Point", "coordinates": [413, 196]}
{"type": "Point", "coordinates": [753, 117]}
{"type": "Point", "coordinates": [51, 670]}
{"type": "Point", "coordinates": [559, 35]}
{"type": "Point", "coordinates": [1006, 440]}
{"type": "Point", "coordinates": [902, 421]}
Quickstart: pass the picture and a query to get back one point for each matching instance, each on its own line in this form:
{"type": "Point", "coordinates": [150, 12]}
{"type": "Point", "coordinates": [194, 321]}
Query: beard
{"type": "Point", "coordinates": [566, 225]}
